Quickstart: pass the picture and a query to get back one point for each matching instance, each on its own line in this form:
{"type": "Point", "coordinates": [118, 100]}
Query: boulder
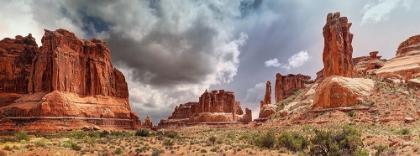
{"type": "Point", "coordinates": [338, 50]}
{"type": "Point", "coordinates": [337, 91]}
{"type": "Point", "coordinates": [267, 110]}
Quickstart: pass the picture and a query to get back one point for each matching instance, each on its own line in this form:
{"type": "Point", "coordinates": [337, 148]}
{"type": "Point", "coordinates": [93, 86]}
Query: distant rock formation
{"type": "Point", "coordinates": [213, 107]}
{"type": "Point", "coordinates": [406, 64]}
{"type": "Point", "coordinates": [338, 51]}
{"type": "Point", "coordinates": [289, 84]}
{"type": "Point", "coordinates": [267, 95]}
{"type": "Point", "coordinates": [147, 123]}
{"type": "Point", "coordinates": [66, 77]}
{"type": "Point", "coordinates": [368, 64]}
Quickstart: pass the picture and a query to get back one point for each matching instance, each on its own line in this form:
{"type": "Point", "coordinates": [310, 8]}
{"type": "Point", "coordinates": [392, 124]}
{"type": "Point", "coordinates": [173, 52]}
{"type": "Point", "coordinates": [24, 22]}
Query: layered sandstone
{"type": "Point", "coordinates": [67, 77]}
{"type": "Point", "coordinates": [338, 50]}
{"type": "Point", "coordinates": [336, 91]}
{"type": "Point", "coordinates": [406, 64]}
{"type": "Point", "coordinates": [213, 107]}
{"type": "Point", "coordinates": [287, 85]}
{"type": "Point", "coordinates": [368, 64]}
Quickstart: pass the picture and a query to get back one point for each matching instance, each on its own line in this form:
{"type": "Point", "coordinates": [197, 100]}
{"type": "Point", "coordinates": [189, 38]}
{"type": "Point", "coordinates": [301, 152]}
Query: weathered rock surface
{"type": "Point", "coordinates": [338, 51]}
{"type": "Point", "coordinates": [406, 64]}
{"type": "Point", "coordinates": [267, 110]}
{"type": "Point", "coordinates": [215, 106]}
{"type": "Point", "coordinates": [337, 91]}
{"type": "Point", "coordinates": [67, 77]}
{"type": "Point", "coordinates": [267, 95]}
{"type": "Point", "coordinates": [289, 84]}
{"type": "Point", "coordinates": [368, 64]}
{"type": "Point", "coordinates": [147, 122]}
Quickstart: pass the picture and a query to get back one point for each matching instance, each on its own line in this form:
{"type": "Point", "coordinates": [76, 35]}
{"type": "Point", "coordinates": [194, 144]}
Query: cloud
{"type": "Point", "coordinates": [376, 12]}
{"type": "Point", "coordinates": [295, 61]}
{"type": "Point", "coordinates": [272, 63]}
{"type": "Point", "coordinates": [253, 97]}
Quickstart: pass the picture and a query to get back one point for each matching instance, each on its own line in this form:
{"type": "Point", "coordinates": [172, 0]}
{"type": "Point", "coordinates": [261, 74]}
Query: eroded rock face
{"type": "Point", "coordinates": [368, 64]}
{"type": "Point", "coordinates": [267, 95]}
{"type": "Point", "coordinates": [15, 66]}
{"type": "Point", "coordinates": [338, 51]}
{"type": "Point", "coordinates": [147, 122]}
{"type": "Point", "coordinates": [406, 63]}
{"type": "Point", "coordinates": [215, 106]}
{"type": "Point", "coordinates": [267, 110]}
{"type": "Point", "coordinates": [336, 91]}
{"type": "Point", "coordinates": [287, 85]}
{"type": "Point", "coordinates": [66, 77]}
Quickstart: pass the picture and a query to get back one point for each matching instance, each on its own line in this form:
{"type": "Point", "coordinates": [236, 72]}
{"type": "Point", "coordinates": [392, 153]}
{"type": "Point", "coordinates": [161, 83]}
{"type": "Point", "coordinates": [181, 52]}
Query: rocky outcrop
{"type": "Point", "coordinates": [65, 77]}
{"type": "Point", "coordinates": [368, 64]}
{"type": "Point", "coordinates": [15, 66]}
{"type": "Point", "coordinates": [267, 95]}
{"type": "Point", "coordinates": [267, 110]}
{"type": "Point", "coordinates": [147, 122]}
{"type": "Point", "coordinates": [336, 91]}
{"type": "Point", "coordinates": [289, 84]}
{"type": "Point", "coordinates": [406, 64]}
{"type": "Point", "coordinates": [338, 51]}
{"type": "Point", "coordinates": [215, 106]}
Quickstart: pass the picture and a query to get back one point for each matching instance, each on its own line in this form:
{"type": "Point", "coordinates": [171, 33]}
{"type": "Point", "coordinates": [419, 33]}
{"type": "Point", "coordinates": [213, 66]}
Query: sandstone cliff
{"type": "Point", "coordinates": [287, 85]}
{"type": "Point", "coordinates": [67, 77]}
{"type": "Point", "coordinates": [213, 107]}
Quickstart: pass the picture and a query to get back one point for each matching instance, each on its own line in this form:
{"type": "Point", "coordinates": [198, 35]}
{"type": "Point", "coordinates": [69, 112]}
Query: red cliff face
{"type": "Point", "coordinates": [338, 51]}
{"type": "Point", "coordinates": [215, 106]}
{"type": "Point", "coordinates": [289, 84]}
{"type": "Point", "coordinates": [411, 44]}
{"type": "Point", "coordinates": [66, 77]}
{"type": "Point", "coordinates": [267, 95]}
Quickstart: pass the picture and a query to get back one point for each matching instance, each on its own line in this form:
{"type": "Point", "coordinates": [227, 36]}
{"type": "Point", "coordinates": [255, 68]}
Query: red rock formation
{"type": "Point", "coordinates": [338, 51]}
{"type": "Point", "coordinates": [15, 64]}
{"type": "Point", "coordinates": [67, 77]}
{"type": "Point", "coordinates": [147, 123]}
{"type": "Point", "coordinates": [411, 44]}
{"type": "Point", "coordinates": [289, 84]}
{"type": "Point", "coordinates": [215, 106]}
{"type": "Point", "coordinates": [267, 95]}
{"type": "Point", "coordinates": [368, 64]}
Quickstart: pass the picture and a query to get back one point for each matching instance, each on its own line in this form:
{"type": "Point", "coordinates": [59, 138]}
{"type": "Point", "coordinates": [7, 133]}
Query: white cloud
{"type": "Point", "coordinates": [376, 12]}
{"type": "Point", "coordinates": [295, 61]}
{"type": "Point", "coordinates": [272, 63]}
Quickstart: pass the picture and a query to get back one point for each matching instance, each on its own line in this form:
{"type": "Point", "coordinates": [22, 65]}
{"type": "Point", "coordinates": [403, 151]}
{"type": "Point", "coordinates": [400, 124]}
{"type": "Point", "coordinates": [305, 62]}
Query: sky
{"type": "Point", "coordinates": [171, 51]}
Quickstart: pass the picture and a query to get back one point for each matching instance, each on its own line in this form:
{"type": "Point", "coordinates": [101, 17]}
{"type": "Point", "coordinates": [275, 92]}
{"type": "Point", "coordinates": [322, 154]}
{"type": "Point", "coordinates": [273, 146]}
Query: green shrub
{"type": "Point", "coordinates": [75, 147]}
{"type": "Point", "coordinates": [293, 142]}
{"type": "Point", "coordinates": [266, 140]}
{"type": "Point", "coordinates": [104, 134]}
{"type": "Point", "coordinates": [168, 142]}
{"type": "Point", "coordinates": [245, 136]}
{"type": "Point", "coordinates": [77, 134]}
{"type": "Point", "coordinates": [156, 152]}
{"type": "Point", "coordinates": [40, 143]}
{"type": "Point", "coordinates": [306, 128]}
{"type": "Point", "coordinates": [172, 134]}
{"type": "Point", "coordinates": [142, 132]}
{"type": "Point", "coordinates": [379, 149]}
{"type": "Point", "coordinates": [118, 151]}
{"type": "Point", "coordinates": [94, 134]}
{"type": "Point", "coordinates": [231, 135]}
{"type": "Point", "coordinates": [212, 139]}
{"type": "Point", "coordinates": [405, 131]}
{"type": "Point", "coordinates": [22, 135]}
{"type": "Point", "coordinates": [347, 142]}
{"type": "Point", "coordinates": [214, 149]}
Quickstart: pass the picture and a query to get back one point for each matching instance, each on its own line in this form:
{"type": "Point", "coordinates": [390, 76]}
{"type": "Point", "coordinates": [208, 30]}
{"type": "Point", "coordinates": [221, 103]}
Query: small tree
{"type": "Point", "coordinates": [212, 139]}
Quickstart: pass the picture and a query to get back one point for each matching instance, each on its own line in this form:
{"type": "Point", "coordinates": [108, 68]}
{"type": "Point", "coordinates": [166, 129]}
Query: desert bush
{"type": "Point", "coordinates": [293, 142]}
{"type": "Point", "coordinates": [306, 128]}
{"type": "Point", "coordinates": [118, 151]}
{"type": "Point", "coordinates": [77, 134]}
{"type": "Point", "coordinates": [212, 139]}
{"type": "Point", "coordinates": [22, 135]}
{"type": "Point", "coordinates": [405, 131]}
{"type": "Point", "coordinates": [245, 136]}
{"type": "Point", "coordinates": [172, 134]}
{"type": "Point", "coordinates": [168, 142]}
{"type": "Point", "coordinates": [103, 134]}
{"type": "Point", "coordinates": [156, 152]}
{"type": "Point", "coordinates": [231, 135]}
{"type": "Point", "coordinates": [94, 134]}
{"type": "Point", "coordinates": [40, 143]}
{"type": "Point", "coordinates": [142, 132]}
{"type": "Point", "coordinates": [7, 148]}
{"type": "Point", "coordinates": [347, 142]}
{"type": "Point", "coordinates": [266, 140]}
{"type": "Point", "coordinates": [75, 147]}
{"type": "Point", "coordinates": [379, 149]}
